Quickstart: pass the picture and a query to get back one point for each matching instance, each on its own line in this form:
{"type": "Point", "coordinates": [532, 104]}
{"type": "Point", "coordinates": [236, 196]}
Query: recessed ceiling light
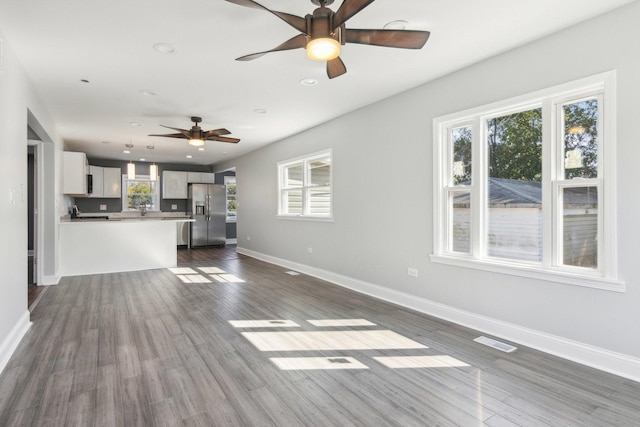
{"type": "Point", "coordinates": [260, 111]}
{"type": "Point", "coordinates": [189, 156]}
{"type": "Point", "coordinates": [137, 124]}
{"type": "Point", "coordinates": [396, 25]}
{"type": "Point", "coordinates": [147, 92]}
{"type": "Point", "coordinates": [308, 82]}
{"type": "Point", "coordinates": [126, 151]}
{"type": "Point", "coordinates": [201, 149]}
{"type": "Point", "coordinates": [164, 48]}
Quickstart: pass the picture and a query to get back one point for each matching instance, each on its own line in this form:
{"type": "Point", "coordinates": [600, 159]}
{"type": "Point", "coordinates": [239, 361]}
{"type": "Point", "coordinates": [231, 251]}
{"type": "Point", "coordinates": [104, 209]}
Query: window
{"type": "Point", "coordinates": [232, 203]}
{"type": "Point", "coordinates": [140, 193]}
{"type": "Point", "coordinates": [527, 186]}
{"type": "Point", "coordinates": [304, 187]}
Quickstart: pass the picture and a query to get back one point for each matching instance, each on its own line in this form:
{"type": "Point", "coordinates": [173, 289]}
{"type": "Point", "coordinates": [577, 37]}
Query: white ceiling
{"type": "Point", "coordinates": [110, 44]}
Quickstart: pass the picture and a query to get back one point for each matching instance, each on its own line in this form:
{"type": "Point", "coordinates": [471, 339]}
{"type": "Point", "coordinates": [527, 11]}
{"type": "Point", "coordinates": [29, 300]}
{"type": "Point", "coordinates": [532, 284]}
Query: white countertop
{"type": "Point", "coordinates": [120, 217]}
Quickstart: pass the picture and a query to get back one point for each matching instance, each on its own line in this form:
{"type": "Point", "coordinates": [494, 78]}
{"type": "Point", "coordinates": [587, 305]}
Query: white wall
{"type": "Point", "coordinates": [18, 106]}
{"type": "Point", "coordinates": [383, 201]}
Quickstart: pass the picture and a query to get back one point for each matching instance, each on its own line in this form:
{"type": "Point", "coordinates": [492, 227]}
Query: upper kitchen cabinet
{"type": "Point", "coordinates": [174, 185]}
{"type": "Point", "coordinates": [76, 169]}
{"type": "Point", "coordinates": [112, 183]}
{"type": "Point", "coordinates": [107, 182]}
{"type": "Point", "coordinates": [98, 181]}
{"type": "Point", "coordinates": [200, 178]}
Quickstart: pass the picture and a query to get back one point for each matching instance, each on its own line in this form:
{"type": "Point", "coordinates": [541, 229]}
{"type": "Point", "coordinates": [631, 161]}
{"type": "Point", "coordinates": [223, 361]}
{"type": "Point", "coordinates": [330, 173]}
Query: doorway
{"type": "Point", "coordinates": [33, 287]}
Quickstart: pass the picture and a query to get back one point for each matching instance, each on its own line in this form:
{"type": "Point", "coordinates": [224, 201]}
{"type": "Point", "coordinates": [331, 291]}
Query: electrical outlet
{"type": "Point", "coordinates": [174, 207]}
{"type": "Point", "coordinates": [413, 272]}
{"type": "Point", "coordinates": [309, 250]}
{"type": "Point", "coordinates": [103, 207]}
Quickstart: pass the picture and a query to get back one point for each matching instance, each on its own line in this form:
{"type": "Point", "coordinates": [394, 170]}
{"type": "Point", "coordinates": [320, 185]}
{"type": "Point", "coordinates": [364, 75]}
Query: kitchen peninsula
{"type": "Point", "coordinates": [98, 245]}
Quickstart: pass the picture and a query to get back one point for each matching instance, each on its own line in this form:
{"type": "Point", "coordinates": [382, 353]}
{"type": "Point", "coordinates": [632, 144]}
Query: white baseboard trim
{"type": "Point", "coordinates": [585, 354]}
{"type": "Point", "coordinates": [9, 345]}
{"type": "Point", "coordinates": [50, 280]}
{"type": "Point", "coordinates": [232, 241]}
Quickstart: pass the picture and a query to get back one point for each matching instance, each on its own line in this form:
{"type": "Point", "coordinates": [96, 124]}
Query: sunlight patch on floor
{"type": "Point", "coordinates": [315, 363]}
{"type": "Point", "coordinates": [189, 275]}
{"type": "Point", "coordinates": [264, 323]}
{"type": "Point", "coordinates": [211, 270]}
{"type": "Point", "coordinates": [183, 270]}
{"type": "Point", "coordinates": [231, 278]}
{"type": "Point", "coordinates": [330, 340]}
{"type": "Point", "coordinates": [341, 322]}
{"type": "Point", "coordinates": [193, 278]}
{"type": "Point", "coordinates": [420, 362]}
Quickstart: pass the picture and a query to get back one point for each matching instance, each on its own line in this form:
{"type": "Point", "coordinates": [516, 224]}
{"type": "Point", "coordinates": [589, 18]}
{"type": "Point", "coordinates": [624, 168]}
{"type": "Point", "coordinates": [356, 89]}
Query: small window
{"type": "Point", "coordinates": [304, 188]}
{"type": "Point", "coordinates": [232, 202]}
{"type": "Point", "coordinates": [140, 194]}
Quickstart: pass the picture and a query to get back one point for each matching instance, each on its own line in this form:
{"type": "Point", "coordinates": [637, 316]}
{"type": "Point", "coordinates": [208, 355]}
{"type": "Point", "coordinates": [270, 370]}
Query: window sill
{"type": "Point", "coordinates": [306, 218]}
{"type": "Point", "coordinates": [533, 273]}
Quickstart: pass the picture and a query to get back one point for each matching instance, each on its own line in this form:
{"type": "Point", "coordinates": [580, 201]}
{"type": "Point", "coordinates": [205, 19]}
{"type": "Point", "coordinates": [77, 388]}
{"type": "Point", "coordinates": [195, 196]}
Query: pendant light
{"type": "Point", "coordinates": [153, 172]}
{"type": "Point", "coordinates": [131, 170]}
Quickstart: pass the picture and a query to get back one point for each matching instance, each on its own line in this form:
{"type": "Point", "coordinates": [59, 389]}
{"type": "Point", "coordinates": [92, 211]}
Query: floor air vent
{"type": "Point", "coordinates": [507, 348]}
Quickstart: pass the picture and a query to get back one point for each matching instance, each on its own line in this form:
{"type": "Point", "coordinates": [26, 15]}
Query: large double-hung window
{"type": "Point", "coordinates": [527, 186]}
{"type": "Point", "coordinates": [304, 187]}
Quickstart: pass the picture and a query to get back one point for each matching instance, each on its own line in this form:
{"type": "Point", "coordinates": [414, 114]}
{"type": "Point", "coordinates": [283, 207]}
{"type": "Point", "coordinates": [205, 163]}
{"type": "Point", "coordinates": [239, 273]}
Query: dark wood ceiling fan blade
{"type": "Point", "coordinates": [172, 135]}
{"type": "Point", "coordinates": [216, 132]}
{"type": "Point", "coordinates": [178, 129]}
{"type": "Point", "coordinates": [296, 22]}
{"type": "Point", "coordinates": [223, 139]}
{"type": "Point", "coordinates": [296, 42]}
{"type": "Point", "coordinates": [335, 68]}
{"type": "Point", "coordinates": [347, 9]}
{"type": "Point", "coordinates": [407, 39]}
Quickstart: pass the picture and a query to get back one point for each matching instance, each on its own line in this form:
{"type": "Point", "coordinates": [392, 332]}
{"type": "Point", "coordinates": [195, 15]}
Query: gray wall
{"type": "Point", "coordinates": [382, 189]}
{"type": "Point", "coordinates": [20, 107]}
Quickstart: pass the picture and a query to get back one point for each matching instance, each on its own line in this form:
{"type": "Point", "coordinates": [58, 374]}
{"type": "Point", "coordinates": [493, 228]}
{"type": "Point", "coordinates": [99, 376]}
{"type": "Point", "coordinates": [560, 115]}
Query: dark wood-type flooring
{"type": "Point", "coordinates": [146, 349]}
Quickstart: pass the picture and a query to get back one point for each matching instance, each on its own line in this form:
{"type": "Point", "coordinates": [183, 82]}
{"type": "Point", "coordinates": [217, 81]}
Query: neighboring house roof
{"type": "Point", "coordinates": [512, 192]}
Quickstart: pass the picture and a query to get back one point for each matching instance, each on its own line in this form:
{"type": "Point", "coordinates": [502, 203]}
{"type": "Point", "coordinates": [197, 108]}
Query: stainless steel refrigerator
{"type": "Point", "coordinates": [207, 204]}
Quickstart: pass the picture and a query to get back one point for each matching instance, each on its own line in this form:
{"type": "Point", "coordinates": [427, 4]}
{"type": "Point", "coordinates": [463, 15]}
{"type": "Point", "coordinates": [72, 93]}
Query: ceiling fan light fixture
{"type": "Point", "coordinates": [323, 49]}
{"type": "Point", "coordinates": [196, 142]}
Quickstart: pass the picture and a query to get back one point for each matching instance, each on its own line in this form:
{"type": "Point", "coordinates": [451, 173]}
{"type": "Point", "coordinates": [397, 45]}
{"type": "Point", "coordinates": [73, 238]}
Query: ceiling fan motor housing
{"type": "Point", "coordinates": [320, 24]}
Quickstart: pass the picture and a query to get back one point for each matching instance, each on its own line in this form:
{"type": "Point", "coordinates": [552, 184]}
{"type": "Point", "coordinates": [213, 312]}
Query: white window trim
{"type": "Point", "coordinates": [304, 160]}
{"type": "Point", "coordinates": [606, 276]}
{"type": "Point", "coordinates": [125, 205]}
{"type": "Point", "coordinates": [226, 180]}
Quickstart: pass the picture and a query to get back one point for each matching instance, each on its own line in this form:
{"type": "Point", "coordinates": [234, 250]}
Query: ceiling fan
{"type": "Point", "coordinates": [197, 136]}
{"type": "Point", "coordinates": [324, 31]}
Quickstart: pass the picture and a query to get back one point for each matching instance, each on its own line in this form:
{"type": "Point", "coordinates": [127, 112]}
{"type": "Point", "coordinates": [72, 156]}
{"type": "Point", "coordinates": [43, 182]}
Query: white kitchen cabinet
{"type": "Point", "coordinates": [200, 178]}
{"type": "Point", "coordinates": [97, 174]}
{"type": "Point", "coordinates": [106, 182]}
{"type": "Point", "coordinates": [75, 171]}
{"type": "Point", "coordinates": [112, 183]}
{"type": "Point", "coordinates": [174, 185]}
